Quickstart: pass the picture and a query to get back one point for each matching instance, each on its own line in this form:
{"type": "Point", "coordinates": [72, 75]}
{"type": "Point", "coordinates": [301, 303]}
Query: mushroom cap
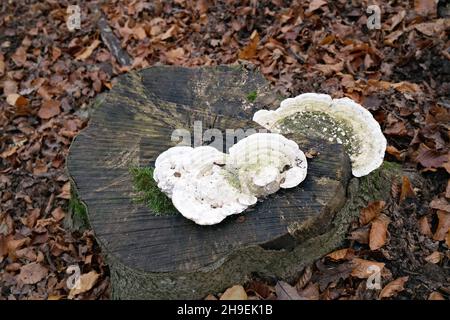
{"type": "Point", "coordinates": [207, 198]}
{"type": "Point", "coordinates": [340, 120]}
{"type": "Point", "coordinates": [169, 169]}
{"type": "Point", "coordinates": [264, 162]}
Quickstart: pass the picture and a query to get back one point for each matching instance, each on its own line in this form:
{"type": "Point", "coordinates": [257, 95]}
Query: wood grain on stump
{"type": "Point", "coordinates": [172, 257]}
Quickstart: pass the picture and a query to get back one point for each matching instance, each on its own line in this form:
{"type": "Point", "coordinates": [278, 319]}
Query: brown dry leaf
{"type": "Point", "coordinates": [87, 282]}
{"type": "Point", "coordinates": [396, 19]}
{"type": "Point", "coordinates": [210, 297]}
{"type": "Point", "coordinates": [339, 254]}
{"type": "Point", "coordinates": [406, 87]}
{"type": "Point", "coordinates": [392, 37]}
{"type": "Point", "coordinates": [361, 235]}
{"type": "Point", "coordinates": [169, 33]}
{"type": "Point", "coordinates": [16, 100]}
{"type": "Point", "coordinates": [9, 87]}
{"type": "Point", "coordinates": [328, 69]}
{"type": "Point", "coordinates": [285, 291]}
{"type": "Point", "coordinates": [435, 257]}
{"type": "Point", "coordinates": [425, 7]}
{"type": "Point", "coordinates": [393, 287]}
{"type": "Point", "coordinates": [139, 32]}
{"type": "Point", "coordinates": [236, 292]}
{"type": "Point", "coordinates": [370, 212]}
{"type": "Point", "coordinates": [174, 55]}
{"type": "Point", "coordinates": [443, 225]}
{"type": "Point", "coordinates": [86, 53]}
{"type": "Point", "coordinates": [435, 296]}
{"type": "Point", "coordinates": [393, 151]}
{"type": "Point", "coordinates": [249, 51]}
{"type": "Point", "coordinates": [378, 232]}
{"type": "Point", "coordinates": [49, 109]}
{"type": "Point", "coordinates": [407, 190]}
{"type": "Point", "coordinates": [430, 158]}
{"type": "Point", "coordinates": [32, 273]}
{"type": "Point", "coordinates": [58, 214]}
{"type": "Point", "coordinates": [315, 4]}
{"type": "Point", "coordinates": [433, 28]}
{"type": "Point", "coordinates": [20, 56]}
{"type": "Point", "coordinates": [362, 268]}
{"type": "Point", "coordinates": [9, 152]}
{"type": "Point", "coordinates": [65, 191]}
{"type": "Point", "coordinates": [440, 204]}
{"type": "Point", "coordinates": [311, 292]}
{"type": "Point", "coordinates": [424, 226]}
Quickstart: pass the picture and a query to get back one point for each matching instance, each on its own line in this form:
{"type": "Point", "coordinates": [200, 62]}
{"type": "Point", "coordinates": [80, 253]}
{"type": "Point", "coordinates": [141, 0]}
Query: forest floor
{"type": "Point", "coordinates": [399, 71]}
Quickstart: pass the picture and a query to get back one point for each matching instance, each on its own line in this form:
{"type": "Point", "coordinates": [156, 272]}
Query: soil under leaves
{"type": "Point", "coordinates": [401, 73]}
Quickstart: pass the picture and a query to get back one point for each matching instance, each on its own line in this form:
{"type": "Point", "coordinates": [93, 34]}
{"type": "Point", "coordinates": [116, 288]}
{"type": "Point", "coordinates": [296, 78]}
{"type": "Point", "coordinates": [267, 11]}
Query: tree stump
{"type": "Point", "coordinates": [170, 257]}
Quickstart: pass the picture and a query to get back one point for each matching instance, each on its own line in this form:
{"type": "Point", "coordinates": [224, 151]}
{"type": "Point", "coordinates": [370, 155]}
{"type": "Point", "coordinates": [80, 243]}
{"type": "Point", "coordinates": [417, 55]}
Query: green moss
{"type": "Point", "coordinates": [252, 96]}
{"type": "Point", "coordinates": [148, 192]}
{"type": "Point", "coordinates": [77, 211]}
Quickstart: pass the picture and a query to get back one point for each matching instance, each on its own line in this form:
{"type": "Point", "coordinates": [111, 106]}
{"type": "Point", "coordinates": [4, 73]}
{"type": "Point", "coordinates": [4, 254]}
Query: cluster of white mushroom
{"type": "Point", "coordinates": [207, 185]}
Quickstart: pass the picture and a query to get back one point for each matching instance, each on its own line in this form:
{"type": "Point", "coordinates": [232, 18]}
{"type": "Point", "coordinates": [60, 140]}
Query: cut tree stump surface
{"type": "Point", "coordinates": [170, 256]}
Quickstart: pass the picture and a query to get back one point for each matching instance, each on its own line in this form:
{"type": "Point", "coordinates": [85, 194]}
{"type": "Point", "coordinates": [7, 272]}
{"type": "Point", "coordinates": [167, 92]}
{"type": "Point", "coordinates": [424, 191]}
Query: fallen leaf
{"type": "Point", "coordinates": [392, 37]}
{"type": "Point", "coordinates": [315, 4]}
{"type": "Point", "coordinates": [58, 214]}
{"type": "Point", "coordinates": [435, 257]}
{"type": "Point", "coordinates": [65, 191]}
{"type": "Point", "coordinates": [424, 226]}
{"type": "Point", "coordinates": [425, 7]}
{"type": "Point", "coordinates": [16, 100]}
{"type": "Point", "coordinates": [86, 53]}
{"type": "Point", "coordinates": [311, 292]}
{"type": "Point", "coordinates": [285, 291]}
{"type": "Point", "coordinates": [443, 225]}
{"type": "Point", "coordinates": [433, 29]}
{"type": "Point", "coordinates": [393, 151]}
{"type": "Point", "coordinates": [440, 204]}
{"type": "Point", "coordinates": [406, 87]}
{"type": "Point", "coordinates": [332, 274]}
{"type": "Point", "coordinates": [378, 232]}
{"type": "Point", "coordinates": [174, 55]}
{"type": "Point", "coordinates": [9, 87]}
{"type": "Point", "coordinates": [328, 69]}
{"type": "Point", "coordinates": [370, 212]}
{"type": "Point", "coordinates": [396, 19]}
{"type": "Point", "coordinates": [361, 235]}
{"type": "Point", "coordinates": [236, 292]}
{"type": "Point", "coordinates": [393, 287]}
{"type": "Point", "coordinates": [9, 152]}
{"type": "Point", "coordinates": [32, 273]}
{"type": "Point", "coordinates": [249, 51]}
{"type": "Point", "coordinates": [430, 158]}
{"type": "Point", "coordinates": [139, 32]}
{"type": "Point", "coordinates": [210, 297]}
{"type": "Point", "coordinates": [435, 296]}
{"type": "Point", "coordinates": [363, 268]}
{"type": "Point", "coordinates": [20, 56]}
{"type": "Point", "coordinates": [407, 190]}
{"type": "Point", "coordinates": [49, 109]}
{"type": "Point", "coordinates": [339, 254]}
{"type": "Point", "coordinates": [87, 282]}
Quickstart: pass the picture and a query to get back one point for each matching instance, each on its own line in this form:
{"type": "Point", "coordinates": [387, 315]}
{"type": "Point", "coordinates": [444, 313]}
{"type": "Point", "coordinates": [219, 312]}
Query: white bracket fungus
{"type": "Point", "coordinates": [341, 121]}
{"type": "Point", "coordinates": [207, 185]}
